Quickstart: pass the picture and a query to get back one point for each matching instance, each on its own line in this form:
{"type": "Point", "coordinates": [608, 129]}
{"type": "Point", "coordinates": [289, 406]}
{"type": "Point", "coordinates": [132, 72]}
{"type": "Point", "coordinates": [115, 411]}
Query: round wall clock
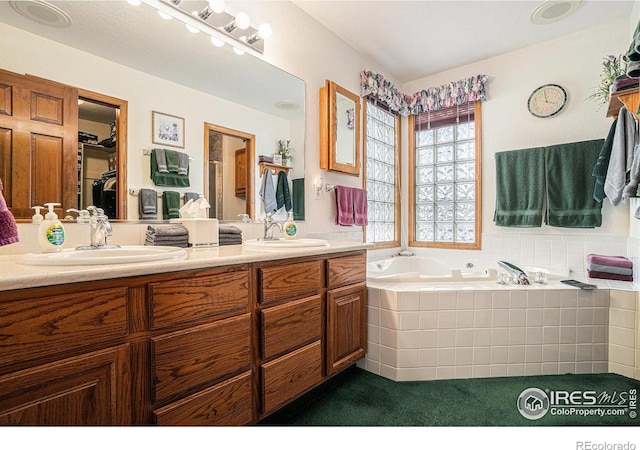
{"type": "Point", "coordinates": [547, 100]}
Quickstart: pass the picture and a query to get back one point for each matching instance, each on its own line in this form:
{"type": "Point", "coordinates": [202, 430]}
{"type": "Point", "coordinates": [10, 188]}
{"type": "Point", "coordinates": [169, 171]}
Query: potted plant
{"type": "Point", "coordinates": [286, 151]}
{"type": "Point", "coordinates": [612, 67]}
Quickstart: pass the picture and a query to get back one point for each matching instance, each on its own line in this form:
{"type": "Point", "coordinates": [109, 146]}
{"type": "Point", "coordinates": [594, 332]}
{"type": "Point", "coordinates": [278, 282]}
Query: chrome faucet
{"type": "Point", "coordinates": [269, 223]}
{"type": "Point", "coordinates": [518, 275]}
{"type": "Point", "coordinates": [100, 229]}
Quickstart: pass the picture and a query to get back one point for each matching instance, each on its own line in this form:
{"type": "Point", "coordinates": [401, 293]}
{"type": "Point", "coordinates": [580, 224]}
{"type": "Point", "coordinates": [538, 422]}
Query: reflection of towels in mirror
{"type": "Point", "coordinates": [167, 178]}
{"type": "Point", "coordinates": [268, 192]}
{"type": "Point", "coordinates": [148, 204]}
{"type": "Point", "coordinates": [170, 205]}
{"type": "Point", "coordinates": [283, 197]}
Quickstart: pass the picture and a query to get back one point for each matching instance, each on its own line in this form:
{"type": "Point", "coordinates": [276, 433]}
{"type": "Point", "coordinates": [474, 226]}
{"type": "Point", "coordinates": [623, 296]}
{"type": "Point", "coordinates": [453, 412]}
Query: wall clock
{"type": "Point", "coordinates": [547, 100]}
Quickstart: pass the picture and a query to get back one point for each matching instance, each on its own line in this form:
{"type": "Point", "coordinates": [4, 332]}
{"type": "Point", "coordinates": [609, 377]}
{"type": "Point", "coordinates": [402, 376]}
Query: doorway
{"type": "Point", "coordinates": [228, 176]}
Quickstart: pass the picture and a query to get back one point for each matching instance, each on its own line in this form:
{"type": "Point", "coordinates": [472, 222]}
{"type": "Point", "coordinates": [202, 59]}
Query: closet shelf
{"type": "Point", "coordinates": [275, 168]}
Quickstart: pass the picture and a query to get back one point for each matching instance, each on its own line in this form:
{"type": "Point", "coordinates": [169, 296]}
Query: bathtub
{"type": "Point", "coordinates": [427, 321]}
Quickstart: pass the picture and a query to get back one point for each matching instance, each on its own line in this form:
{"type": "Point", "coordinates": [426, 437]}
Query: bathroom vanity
{"type": "Point", "coordinates": [221, 338]}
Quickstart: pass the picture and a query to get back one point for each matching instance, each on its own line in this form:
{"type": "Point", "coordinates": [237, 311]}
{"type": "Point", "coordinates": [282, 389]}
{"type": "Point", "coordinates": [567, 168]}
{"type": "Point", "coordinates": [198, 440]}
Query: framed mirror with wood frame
{"type": "Point", "coordinates": [339, 129]}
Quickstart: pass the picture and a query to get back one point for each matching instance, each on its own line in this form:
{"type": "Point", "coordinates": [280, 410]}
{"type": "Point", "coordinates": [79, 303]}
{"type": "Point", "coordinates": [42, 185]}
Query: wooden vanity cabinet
{"type": "Point", "coordinates": [223, 346]}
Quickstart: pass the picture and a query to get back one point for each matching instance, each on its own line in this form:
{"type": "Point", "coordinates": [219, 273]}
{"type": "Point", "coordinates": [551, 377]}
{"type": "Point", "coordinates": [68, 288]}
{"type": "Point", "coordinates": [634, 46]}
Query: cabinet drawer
{"type": "Point", "coordinates": [226, 403]}
{"type": "Point", "coordinates": [290, 280]}
{"type": "Point", "coordinates": [42, 326]}
{"type": "Point", "coordinates": [198, 355]}
{"type": "Point", "coordinates": [288, 376]}
{"type": "Point", "coordinates": [193, 298]}
{"type": "Point", "coordinates": [346, 270]}
{"type": "Point", "coordinates": [285, 327]}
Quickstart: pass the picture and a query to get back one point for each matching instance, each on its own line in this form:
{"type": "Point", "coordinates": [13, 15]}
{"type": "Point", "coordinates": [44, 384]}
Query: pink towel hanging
{"type": "Point", "coordinates": [360, 211]}
{"type": "Point", "coordinates": [344, 205]}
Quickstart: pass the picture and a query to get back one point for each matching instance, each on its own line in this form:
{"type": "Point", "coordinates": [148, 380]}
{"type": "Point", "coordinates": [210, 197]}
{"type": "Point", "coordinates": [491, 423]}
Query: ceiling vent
{"type": "Point", "coordinates": [553, 11]}
{"type": "Point", "coordinates": [42, 12]}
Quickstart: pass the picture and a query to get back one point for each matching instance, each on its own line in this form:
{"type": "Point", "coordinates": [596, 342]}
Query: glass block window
{"type": "Point", "coordinates": [381, 174]}
{"type": "Point", "coordinates": [445, 163]}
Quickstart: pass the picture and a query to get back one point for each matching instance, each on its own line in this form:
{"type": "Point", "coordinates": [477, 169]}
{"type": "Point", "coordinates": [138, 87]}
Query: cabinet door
{"type": "Point", "coordinates": [346, 326]}
{"type": "Point", "coordinates": [38, 143]}
{"type": "Point", "coordinates": [91, 389]}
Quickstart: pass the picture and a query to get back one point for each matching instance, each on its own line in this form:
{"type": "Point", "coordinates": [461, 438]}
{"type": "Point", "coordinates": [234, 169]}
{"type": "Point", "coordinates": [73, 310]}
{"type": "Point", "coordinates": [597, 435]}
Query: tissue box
{"type": "Point", "coordinates": [202, 232]}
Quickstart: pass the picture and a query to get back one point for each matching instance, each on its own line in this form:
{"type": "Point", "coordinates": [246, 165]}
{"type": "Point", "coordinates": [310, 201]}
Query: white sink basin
{"type": "Point", "coordinates": [284, 244]}
{"type": "Point", "coordinates": [123, 255]}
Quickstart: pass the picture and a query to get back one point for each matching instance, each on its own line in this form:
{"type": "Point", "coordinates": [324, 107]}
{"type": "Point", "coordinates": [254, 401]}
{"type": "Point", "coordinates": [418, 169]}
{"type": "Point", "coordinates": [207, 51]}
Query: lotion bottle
{"type": "Point", "coordinates": [290, 227]}
{"type": "Point", "coordinates": [51, 231]}
{"type": "Point", "coordinates": [37, 217]}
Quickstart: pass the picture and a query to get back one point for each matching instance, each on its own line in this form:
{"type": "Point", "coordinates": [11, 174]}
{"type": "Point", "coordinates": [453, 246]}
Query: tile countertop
{"type": "Point", "coordinates": [14, 275]}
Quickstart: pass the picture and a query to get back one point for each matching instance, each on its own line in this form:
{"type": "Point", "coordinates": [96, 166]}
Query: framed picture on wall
{"type": "Point", "coordinates": [167, 129]}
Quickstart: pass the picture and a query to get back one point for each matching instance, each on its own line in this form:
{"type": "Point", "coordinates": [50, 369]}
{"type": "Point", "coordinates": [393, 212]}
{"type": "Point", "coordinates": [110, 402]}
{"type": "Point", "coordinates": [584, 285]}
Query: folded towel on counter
{"type": "Point", "coordinates": [224, 240]}
{"type": "Point", "coordinates": [283, 197]}
{"type": "Point", "coordinates": [174, 235]}
{"type": "Point", "coordinates": [609, 276]}
{"type": "Point", "coordinates": [360, 207]}
{"type": "Point", "coordinates": [168, 178]}
{"type": "Point", "coordinates": [519, 188]}
{"type": "Point", "coordinates": [148, 204]}
{"type": "Point", "coordinates": [170, 205]}
{"type": "Point", "coordinates": [228, 229]}
{"type": "Point", "coordinates": [617, 261]}
{"type": "Point", "coordinates": [268, 192]}
{"type": "Point", "coordinates": [344, 205]}
{"type": "Point", "coordinates": [609, 269]}
{"type": "Point", "coordinates": [297, 198]}
{"type": "Point", "coordinates": [600, 168]}
{"type": "Point", "coordinates": [568, 168]}
{"type": "Point", "coordinates": [624, 143]}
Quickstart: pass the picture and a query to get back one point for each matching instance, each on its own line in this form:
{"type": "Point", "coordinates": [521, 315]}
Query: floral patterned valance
{"type": "Point", "coordinates": [447, 95]}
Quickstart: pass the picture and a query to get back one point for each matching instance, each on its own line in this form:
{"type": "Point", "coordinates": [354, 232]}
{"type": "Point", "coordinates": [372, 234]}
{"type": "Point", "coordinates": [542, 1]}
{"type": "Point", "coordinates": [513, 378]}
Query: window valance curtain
{"type": "Point", "coordinates": [431, 99]}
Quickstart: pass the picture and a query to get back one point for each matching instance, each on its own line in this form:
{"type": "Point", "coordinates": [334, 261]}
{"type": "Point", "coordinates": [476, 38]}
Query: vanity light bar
{"type": "Point", "coordinates": [194, 21]}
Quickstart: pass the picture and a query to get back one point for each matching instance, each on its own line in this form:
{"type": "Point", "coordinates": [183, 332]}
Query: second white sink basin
{"type": "Point", "coordinates": [123, 255]}
{"type": "Point", "coordinates": [285, 244]}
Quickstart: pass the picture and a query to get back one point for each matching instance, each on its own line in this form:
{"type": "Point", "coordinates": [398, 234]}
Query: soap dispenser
{"type": "Point", "coordinates": [51, 231]}
{"type": "Point", "coordinates": [290, 227]}
{"type": "Point", "coordinates": [37, 217]}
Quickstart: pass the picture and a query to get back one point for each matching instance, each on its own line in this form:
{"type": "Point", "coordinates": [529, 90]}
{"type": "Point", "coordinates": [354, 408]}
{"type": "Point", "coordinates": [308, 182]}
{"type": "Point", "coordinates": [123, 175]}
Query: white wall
{"type": "Point", "coordinates": [572, 61]}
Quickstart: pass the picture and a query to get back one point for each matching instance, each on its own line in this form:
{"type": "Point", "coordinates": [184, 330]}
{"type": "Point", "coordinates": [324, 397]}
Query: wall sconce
{"type": "Point", "coordinates": [222, 27]}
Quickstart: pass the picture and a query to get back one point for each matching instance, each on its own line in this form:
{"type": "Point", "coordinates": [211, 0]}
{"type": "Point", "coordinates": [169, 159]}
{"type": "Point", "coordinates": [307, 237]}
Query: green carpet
{"type": "Point", "coordinates": [359, 398]}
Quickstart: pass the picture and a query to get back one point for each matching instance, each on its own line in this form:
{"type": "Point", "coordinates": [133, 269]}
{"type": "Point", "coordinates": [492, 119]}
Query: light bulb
{"type": "Point", "coordinates": [192, 29]}
{"type": "Point", "coordinates": [264, 31]}
{"type": "Point", "coordinates": [217, 42]}
{"type": "Point", "coordinates": [134, 2]}
{"type": "Point", "coordinates": [164, 15]}
{"type": "Point", "coordinates": [242, 20]}
{"type": "Point", "coordinates": [237, 51]}
{"type": "Point", "coordinates": [217, 6]}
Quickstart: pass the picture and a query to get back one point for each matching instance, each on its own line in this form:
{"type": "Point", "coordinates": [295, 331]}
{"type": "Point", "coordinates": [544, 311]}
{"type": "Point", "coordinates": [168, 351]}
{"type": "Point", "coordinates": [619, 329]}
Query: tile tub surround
{"type": "Point", "coordinates": [496, 331]}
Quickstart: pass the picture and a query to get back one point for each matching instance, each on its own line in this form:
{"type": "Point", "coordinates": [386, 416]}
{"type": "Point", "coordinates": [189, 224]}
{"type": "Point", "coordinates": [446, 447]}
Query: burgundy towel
{"type": "Point", "coordinates": [609, 276]}
{"type": "Point", "coordinates": [8, 228]}
{"type": "Point", "coordinates": [360, 207]}
{"type": "Point", "coordinates": [344, 205]}
{"type": "Point", "coordinates": [617, 261]}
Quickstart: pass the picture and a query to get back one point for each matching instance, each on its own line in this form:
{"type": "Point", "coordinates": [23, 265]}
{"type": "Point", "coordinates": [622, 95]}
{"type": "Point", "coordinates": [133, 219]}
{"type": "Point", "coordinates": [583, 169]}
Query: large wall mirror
{"type": "Point", "coordinates": [213, 86]}
{"type": "Point", "coordinates": [339, 129]}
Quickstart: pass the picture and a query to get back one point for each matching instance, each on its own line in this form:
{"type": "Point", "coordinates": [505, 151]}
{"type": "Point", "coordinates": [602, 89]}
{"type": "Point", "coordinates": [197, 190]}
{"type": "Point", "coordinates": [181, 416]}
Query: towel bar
{"type": "Point", "coordinates": [330, 187]}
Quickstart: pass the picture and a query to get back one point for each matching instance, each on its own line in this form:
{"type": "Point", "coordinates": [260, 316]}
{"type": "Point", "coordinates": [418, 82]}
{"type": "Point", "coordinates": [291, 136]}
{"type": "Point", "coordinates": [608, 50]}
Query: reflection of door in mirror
{"type": "Point", "coordinates": [229, 170]}
{"type": "Point", "coordinates": [102, 155]}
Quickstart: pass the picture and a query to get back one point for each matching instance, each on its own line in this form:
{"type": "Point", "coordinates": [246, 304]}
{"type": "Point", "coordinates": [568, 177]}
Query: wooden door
{"type": "Point", "coordinates": [241, 173]}
{"type": "Point", "coordinates": [346, 326]}
{"type": "Point", "coordinates": [91, 389]}
{"type": "Point", "coordinates": [38, 143]}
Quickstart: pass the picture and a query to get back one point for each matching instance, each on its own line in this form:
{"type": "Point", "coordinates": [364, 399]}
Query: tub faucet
{"type": "Point", "coordinates": [269, 223]}
{"type": "Point", "coordinates": [518, 275]}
